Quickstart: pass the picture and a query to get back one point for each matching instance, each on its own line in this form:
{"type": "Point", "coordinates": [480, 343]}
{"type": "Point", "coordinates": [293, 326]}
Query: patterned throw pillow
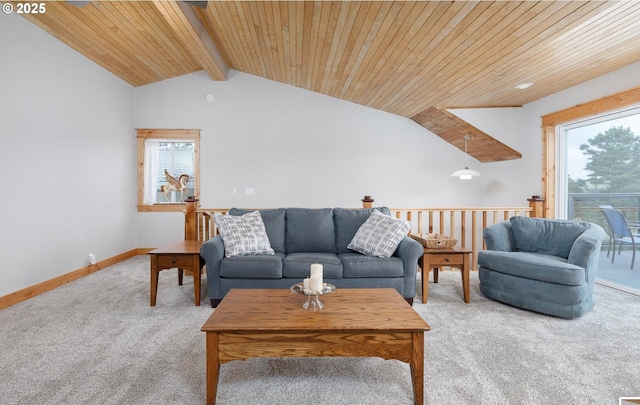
{"type": "Point", "coordinates": [380, 235]}
{"type": "Point", "coordinates": [243, 235]}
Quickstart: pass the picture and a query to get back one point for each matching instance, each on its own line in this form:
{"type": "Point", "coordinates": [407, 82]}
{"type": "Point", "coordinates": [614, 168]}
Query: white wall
{"type": "Point", "coordinates": [510, 183]}
{"type": "Point", "coordinates": [67, 158]}
{"type": "Point", "coordinates": [606, 85]}
{"type": "Point", "coordinates": [68, 152]}
{"type": "Point", "coordinates": [298, 148]}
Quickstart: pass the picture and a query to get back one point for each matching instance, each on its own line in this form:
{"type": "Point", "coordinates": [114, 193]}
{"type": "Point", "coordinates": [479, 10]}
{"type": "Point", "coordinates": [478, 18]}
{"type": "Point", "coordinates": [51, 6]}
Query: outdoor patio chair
{"type": "Point", "coordinates": [603, 207]}
{"type": "Point", "coordinates": [621, 231]}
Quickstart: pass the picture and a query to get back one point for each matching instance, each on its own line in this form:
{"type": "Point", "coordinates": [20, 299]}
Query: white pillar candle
{"type": "Point", "coordinates": [316, 278]}
{"type": "Point", "coordinates": [316, 269]}
{"type": "Point", "coordinates": [316, 284]}
{"type": "Point", "coordinates": [306, 283]}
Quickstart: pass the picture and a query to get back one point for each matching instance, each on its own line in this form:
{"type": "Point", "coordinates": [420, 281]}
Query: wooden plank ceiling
{"type": "Point", "coordinates": [401, 57]}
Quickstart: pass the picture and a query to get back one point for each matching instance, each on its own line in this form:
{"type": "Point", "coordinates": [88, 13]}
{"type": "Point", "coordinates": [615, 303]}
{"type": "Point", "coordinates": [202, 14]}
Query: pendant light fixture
{"type": "Point", "coordinates": [466, 173]}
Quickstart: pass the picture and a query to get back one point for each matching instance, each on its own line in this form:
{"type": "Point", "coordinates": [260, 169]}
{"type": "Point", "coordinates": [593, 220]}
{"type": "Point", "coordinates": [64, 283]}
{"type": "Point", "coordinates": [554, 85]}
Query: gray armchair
{"type": "Point", "coordinates": [542, 265]}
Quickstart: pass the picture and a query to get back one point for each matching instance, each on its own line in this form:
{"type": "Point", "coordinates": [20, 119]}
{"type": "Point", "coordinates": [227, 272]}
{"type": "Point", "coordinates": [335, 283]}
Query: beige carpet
{"type": "Point", "coordinates": [97, 341]}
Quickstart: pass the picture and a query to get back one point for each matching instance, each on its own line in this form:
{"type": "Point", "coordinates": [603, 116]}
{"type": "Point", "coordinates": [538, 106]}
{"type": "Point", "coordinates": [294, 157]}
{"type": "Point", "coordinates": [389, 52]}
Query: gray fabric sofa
{"type": "Point", "coordinates": [542, 265]}
{"type": "Point", "coordinates": [301, 237]}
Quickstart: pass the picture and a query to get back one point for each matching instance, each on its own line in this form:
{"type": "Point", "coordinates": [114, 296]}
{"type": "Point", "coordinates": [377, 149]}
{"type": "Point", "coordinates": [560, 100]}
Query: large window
{"type": "Point", "coordinates": [550, 122]}
{"type": "Point", "coordinates": [591, 159]}
{"type": "Point", "coordinates": [168, 168]}
{"type": "Point", "coordinates": [598, 166]}
{"type": "Point", "coordinates": [599, 163]}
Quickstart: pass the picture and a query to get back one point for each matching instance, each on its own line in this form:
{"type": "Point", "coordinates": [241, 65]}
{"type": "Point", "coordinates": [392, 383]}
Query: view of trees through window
{"type": "Point", "coordinates": [602, 165]}
{"type": "Point", "coordinates": [612, 165]}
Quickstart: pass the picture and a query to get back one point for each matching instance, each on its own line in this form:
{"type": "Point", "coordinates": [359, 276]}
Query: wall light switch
{"type": "Point", "coordinates": [249, 190]}
{"type": "Point", "coordinates": [234, 190]}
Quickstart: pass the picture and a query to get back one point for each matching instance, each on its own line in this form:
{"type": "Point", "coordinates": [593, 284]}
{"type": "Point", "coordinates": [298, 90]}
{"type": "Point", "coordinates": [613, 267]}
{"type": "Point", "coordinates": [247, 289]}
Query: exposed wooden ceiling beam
{"type": "Point", "coordinates": [193, 34]}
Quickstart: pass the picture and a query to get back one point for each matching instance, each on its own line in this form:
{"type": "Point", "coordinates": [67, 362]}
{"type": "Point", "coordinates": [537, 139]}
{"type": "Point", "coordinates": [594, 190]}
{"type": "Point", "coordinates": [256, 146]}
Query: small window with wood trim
{"type": "Point", "coordinates": [168, 168]}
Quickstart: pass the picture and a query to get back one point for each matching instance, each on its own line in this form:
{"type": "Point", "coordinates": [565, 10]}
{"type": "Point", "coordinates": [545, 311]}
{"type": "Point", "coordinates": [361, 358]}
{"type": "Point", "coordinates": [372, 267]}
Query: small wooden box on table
{"type": "Point", "coordinates": [455, 257]}
{"type": "Point", "coordinates": [365, 322]}
{"type": "Point", "coordinates": [183, 255]}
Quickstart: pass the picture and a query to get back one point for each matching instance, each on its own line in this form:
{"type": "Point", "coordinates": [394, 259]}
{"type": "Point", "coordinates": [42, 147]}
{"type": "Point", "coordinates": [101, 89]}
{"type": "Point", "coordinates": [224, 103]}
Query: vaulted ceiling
{"type": "Point", "coordinates": [405, 58]}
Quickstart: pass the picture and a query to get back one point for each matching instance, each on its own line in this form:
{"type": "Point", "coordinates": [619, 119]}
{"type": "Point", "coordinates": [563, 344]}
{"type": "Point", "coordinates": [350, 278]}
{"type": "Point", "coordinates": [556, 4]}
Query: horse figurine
{"type": "Point", "coordinates": [179, 184]}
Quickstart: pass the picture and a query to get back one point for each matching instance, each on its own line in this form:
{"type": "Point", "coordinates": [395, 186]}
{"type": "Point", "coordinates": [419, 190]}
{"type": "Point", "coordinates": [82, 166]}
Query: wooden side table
{"type": "Point", "coordinates": [183, 255]}
{"type": "Point", "coordinates": [435, 258]}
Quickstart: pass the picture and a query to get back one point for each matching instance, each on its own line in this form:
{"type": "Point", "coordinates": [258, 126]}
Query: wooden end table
{"type": "Point", "coordinates": [183, 255]}
{"type": "Point", "coordinates": [364, 322]}
{"type": "Point", "coordinates": [456, 257]}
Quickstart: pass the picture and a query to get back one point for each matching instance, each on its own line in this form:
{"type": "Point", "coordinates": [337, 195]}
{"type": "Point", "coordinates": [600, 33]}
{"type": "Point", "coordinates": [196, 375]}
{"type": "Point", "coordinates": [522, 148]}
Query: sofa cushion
{"type": "Point", "coordinates": [379, 235]}
{"type": "Point", "coordinates": [298, 265]}
{"type": "Point", "coordinates": [273, 222]}
{"type": "Point", "coordinates": [310, 230]}
{"type": "Point", "coordinates": [535, 266]}
{"type": "Point", "coordinates": [357, 265]}
{"type": "Point", "coordinates": [255, 266]}
{"type": "Point", "coordinates": [546, 236]}
{"type": "Point", "coordinates": [243, 235]}
{"type": "Point", "coordinates": [347, 221]}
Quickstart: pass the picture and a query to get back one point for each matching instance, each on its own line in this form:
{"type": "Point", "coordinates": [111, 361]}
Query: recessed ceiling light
{"type": "Point", "coordinates": [523, 86]}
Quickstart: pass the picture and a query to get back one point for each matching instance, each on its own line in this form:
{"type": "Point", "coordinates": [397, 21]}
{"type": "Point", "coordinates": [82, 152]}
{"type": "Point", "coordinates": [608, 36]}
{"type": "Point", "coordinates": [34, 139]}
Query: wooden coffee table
{"type": "Point", "coordinates": [183, 255]}
{"type": "Point", "coordinates": [367, 322]}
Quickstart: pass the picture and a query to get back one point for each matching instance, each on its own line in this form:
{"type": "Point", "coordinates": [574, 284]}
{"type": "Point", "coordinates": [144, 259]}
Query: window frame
{"type": "Point", "coordinates": [561, 205]}
{"type": "Point", "coordinates": [550, 122]}
{"type": "Point", "coordinates": [167, 134]}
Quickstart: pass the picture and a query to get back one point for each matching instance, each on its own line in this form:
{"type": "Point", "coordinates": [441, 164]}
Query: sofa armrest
{"type": "Point", "coordinates": [409, 250]}
{"type": "Point", "coordinates": [212, 251]}
{"type": "Point", "coordinates": [586, 250]}
{"type": "Point", "coordinates": [500, 237]}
